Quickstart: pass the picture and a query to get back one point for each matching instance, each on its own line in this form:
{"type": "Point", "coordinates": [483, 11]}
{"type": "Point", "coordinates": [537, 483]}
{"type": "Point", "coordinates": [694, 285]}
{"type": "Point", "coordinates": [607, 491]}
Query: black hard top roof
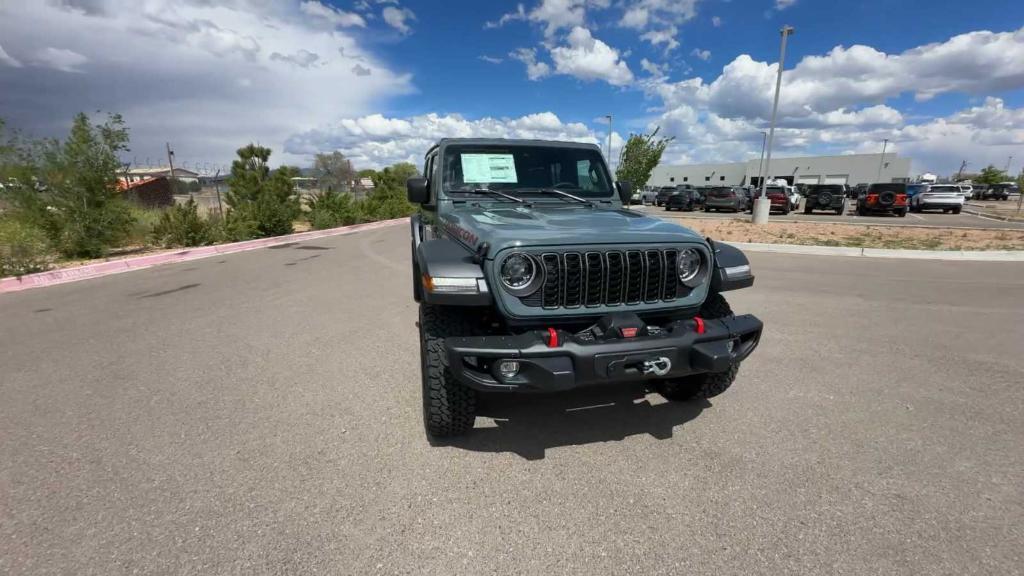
{"type": "Point", "coordinates": [510, 142]}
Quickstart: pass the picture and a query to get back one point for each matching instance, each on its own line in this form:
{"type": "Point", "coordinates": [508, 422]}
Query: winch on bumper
{"type": "Point", "coordinates": [620, 348]}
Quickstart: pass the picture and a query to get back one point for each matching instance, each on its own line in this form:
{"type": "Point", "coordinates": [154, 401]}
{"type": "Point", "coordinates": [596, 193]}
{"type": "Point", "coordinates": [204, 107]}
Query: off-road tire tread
{"type": "Point", "coordinates": [706, 385]}
{"type": "Point", "coordinates": [449, 407]}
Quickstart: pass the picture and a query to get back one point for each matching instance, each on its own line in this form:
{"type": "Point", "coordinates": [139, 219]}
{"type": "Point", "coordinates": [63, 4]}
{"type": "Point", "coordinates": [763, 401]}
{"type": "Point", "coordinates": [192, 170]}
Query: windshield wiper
{"type": "Point", "coordinates": [494, 192]}
{"type": "Point", "coordinates": [566, 195]}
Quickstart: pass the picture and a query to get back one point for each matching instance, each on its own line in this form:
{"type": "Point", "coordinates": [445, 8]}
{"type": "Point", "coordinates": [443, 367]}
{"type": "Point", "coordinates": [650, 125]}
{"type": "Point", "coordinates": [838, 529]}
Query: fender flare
{"type": "Point", "coordinates": [444, 258]}
{"type": "Point", "coordinates": [731, 268]}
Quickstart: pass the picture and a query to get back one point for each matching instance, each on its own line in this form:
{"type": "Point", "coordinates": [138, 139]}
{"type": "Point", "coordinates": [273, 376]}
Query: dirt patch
{"type": "Point", "coordinates": [822, 234]}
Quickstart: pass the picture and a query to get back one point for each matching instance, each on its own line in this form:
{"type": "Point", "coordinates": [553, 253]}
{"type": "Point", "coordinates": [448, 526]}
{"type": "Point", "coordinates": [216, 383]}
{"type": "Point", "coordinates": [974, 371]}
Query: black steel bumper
{"type": "Point", "coordinates": [575, 362]}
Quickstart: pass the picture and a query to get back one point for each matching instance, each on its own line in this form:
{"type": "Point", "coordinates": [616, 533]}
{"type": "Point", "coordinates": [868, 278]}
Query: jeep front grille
{"type": "Point", "coordinates": [610, 278]}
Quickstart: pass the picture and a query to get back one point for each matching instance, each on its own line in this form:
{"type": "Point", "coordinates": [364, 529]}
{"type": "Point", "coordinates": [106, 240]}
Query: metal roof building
{"type": "Point", "coordinates": [847, 169]}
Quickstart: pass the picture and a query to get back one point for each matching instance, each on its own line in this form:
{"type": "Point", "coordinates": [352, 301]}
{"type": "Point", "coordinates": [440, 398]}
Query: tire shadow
{"type": "Point", "coordinates": [528, 425]}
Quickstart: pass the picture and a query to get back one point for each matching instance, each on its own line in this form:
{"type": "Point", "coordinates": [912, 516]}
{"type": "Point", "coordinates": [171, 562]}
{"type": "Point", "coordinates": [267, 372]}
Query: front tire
{"type": "Point", "coordinates": [707, 385]}
{"type": "Point", "coordinates": [449, 407]}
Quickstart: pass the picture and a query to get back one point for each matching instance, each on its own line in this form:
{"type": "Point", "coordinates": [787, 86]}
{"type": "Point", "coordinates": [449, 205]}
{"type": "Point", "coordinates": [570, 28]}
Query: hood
{"type": "Point", "coordinates": [558, 224]}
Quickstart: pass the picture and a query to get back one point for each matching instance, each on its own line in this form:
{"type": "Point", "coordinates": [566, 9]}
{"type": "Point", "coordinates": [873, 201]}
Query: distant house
{"type": "Point", "coordinates": [140, 174]}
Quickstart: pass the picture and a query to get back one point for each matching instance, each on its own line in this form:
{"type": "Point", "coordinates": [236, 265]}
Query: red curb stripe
{"type": "Point", "coordinates": [101, 269]}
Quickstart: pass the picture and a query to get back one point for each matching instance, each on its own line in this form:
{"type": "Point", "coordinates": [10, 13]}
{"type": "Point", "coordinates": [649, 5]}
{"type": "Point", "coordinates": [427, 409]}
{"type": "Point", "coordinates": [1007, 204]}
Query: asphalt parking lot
{"type": "Point", "coordinates": [259, 413]}
{"type": "Point", "coordinates": [932, 218]}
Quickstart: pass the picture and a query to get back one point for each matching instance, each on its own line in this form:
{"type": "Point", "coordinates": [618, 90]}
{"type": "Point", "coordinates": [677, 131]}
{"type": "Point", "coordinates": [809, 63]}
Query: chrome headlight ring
{"type": "Point", "coordinates": [520, 274]}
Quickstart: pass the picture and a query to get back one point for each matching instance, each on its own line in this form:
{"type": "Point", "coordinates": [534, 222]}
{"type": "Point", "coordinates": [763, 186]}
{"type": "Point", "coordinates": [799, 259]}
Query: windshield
{"type": "Point", "coordinates": [774, 190]}
{"type": "Point", "coordinates": [945, 189]}
{"type": "Point", "coordinates": [897, 188]}
{"type": "Point", "coordinates": [578, 171]}
{"type": "Point", "coordinates": [720, 192]}
{"type": "Point", "coordinates": [832, 189]}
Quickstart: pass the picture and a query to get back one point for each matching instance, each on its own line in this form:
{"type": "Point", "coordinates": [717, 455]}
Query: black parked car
{"type": "Point", "coordinates": [663, 193]}
{"type": "Point", "coordinates": [999, 191]}
{"type": "Point", "coordinates": [825, 197]}
{"type": "Point", "coordinates": [725, 198]}
{"type": "Point", "coordinates": [685, 199]}
{"type": "Point", "coordinates": [856, 191]}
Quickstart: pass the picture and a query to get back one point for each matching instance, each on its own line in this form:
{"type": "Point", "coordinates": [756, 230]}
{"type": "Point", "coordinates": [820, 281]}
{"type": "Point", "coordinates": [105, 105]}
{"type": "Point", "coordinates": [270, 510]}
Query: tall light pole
{"type": "Point", "coordinates": [1008, 160]}
{"type": "Point", "coordinates": [881, 160]}
{"type": "Point", "coordinates": [762, 206]}
{"type": "Point", "coordinates": [609, 117]}
{"type": "Point", "coordinates": [760, 165]}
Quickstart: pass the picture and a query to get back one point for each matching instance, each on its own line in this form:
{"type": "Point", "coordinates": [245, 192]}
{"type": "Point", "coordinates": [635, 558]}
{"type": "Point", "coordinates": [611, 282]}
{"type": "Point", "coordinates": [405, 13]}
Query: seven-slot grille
{"type": "Point", "coordinates": [575, 279]}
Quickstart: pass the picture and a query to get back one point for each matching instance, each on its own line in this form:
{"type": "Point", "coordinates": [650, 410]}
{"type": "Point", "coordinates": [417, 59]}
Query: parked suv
{"type": "Point", "coordinates": [532, 277]}
{"type": "Point", "coordinates": [684, 199]}
{"type": "Point", "coordinates": [883, 198]}
{"type": "Point", "coordinates": [777, 199]}
{"type": "Point", "coordinates": [725, 198]}
{"type": "Point", "coordinates": [825, 197]}
{"type": "Point", "coordinates": [999, 191]}
{"type": "Point", "coordinates": [945, 197]}
{"type": "Point", "coordinates": [663, 193]}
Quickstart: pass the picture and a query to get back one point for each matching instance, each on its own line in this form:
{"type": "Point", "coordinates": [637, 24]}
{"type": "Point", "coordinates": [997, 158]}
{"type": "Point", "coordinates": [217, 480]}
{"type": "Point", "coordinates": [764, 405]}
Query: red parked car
{"type": "Point", "coordinates": [778, 199]}
{"type": "Point", "coordinates": [884, 197]}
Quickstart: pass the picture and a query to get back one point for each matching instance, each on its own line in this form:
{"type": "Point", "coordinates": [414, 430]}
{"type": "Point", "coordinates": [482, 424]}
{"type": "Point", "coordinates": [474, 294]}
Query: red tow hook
{"type": "Point", "coordinates": [552, 338]}
{"type": "Point", "coordinates": [700, 324]}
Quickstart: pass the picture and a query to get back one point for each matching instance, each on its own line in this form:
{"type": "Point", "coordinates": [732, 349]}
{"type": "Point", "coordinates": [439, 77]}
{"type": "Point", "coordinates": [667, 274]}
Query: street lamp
{"type": "Point", "coordinates": [881, 160]}
{"type": "Point", "coordinates": [762, 206]}
{"type": "Point", "coordinates": [609, 117]}
{"type": "Point", "coordinates": [760, 164]}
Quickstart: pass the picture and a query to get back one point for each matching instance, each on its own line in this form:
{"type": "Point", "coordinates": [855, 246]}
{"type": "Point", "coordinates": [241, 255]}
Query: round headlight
{"type": "Point", "coordinates": [688, 265]}
{"type": "Point", "coordinates": [518, 272]}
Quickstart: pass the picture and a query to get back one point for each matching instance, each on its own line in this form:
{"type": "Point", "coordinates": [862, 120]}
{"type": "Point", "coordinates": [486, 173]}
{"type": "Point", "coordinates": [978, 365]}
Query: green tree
{"type": "Point", "coordinates": [69, 188]}
{"type": "Point", "coordinates": [639, 156]}
{"type": "Point", "coordinates": [991, 175]}
{"type": "Point", "coordinates": [263, 202]}
{"type": "Point", "coordinates": [333, 171]}
{"type": "Point", "coordinates": [388, 199]}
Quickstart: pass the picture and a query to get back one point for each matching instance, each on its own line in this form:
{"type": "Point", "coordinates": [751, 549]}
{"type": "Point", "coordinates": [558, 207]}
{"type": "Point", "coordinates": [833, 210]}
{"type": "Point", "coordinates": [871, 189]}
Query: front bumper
{"type": "Point", "coordinates": [723, 205]}
{"type": "Point", "coordinates": [679, 350]}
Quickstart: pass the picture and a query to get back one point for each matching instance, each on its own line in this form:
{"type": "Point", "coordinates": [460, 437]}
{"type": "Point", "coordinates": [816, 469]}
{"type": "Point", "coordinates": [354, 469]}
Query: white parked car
{"type": "Point", "coordinates": [967, 190]}
{"type": "Point", "coordinates": [794, 197]}
{"type": "Point", "coordinates": [945, 197]}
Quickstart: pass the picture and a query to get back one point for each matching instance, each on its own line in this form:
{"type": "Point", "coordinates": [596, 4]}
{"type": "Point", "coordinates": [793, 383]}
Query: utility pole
{"type": "Point", "coordinates": [1008, 160]}
{"type": "Point", "coordinates": [762, 206]}
{"type": "Point", "coordinates": [609, 117]}
{"type": "Point", "coordinates": [881, 160]}
{"type": "Point", "coordinates": [760, 165]}
{"type": "Point", "coordinates": [960, 172]}
{"type": "Point", "coordinates": [170, 163]}
{"type": "Point", "coordinates": [216, 186]}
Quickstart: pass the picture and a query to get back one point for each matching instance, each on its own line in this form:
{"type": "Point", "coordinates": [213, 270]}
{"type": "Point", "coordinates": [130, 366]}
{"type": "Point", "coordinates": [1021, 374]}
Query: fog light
{"type": "Point", "coordinates": [508, 368]}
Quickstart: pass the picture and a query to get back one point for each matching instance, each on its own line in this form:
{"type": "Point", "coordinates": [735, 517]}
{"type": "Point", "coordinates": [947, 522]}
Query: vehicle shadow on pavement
{"type": "Point", "coordinates": [528, 425]}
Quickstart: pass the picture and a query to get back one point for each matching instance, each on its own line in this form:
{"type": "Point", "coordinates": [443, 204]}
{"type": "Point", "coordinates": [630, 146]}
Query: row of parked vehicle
{"type": "Point", "coordinates": [883, 197]}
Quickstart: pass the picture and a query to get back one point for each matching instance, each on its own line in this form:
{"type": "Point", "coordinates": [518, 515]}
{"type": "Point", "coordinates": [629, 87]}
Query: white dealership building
{"type": "Point", "coordinates": [847, 169]}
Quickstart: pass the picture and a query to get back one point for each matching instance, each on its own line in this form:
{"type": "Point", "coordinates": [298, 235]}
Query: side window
{"type": "Point", "coordinates": [686, 178]}
{"type": "Point", "coordinates": [429, 174]}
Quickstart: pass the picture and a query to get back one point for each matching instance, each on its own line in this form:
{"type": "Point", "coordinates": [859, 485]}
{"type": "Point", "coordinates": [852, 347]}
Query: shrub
{"type": "Point", "coordinates": [263, 203]}
{"type": "Point", "coordinates": [23, 248]}
{"type": "Point", "coordinates": [144, 220]}
{"type": "Point", "coordinates": [330, 209]}
{"type": "Point", "coordinates": [181, 225]}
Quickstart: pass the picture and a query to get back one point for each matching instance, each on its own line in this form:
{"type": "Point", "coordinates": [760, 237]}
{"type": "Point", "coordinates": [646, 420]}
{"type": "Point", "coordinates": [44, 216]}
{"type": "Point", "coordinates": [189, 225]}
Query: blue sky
{"type": "Point", "coordinates": [381, 79]}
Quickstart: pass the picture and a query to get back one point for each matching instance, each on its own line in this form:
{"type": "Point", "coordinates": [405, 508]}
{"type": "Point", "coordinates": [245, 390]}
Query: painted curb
{"type": "Point", "coordinates": [100, 269]}
{"type": "Point", "coordinates": [957, 255]}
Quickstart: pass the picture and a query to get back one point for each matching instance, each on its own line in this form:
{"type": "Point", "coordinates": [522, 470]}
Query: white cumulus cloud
{"type": "Point", "coordinates": [588, 58]}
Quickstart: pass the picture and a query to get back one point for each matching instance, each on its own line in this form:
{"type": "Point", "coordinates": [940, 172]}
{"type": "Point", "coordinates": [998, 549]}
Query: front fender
{"type": "Point", "coordinates": [732, 269]}
{"type": "Point", "coordinates": [445, 259]}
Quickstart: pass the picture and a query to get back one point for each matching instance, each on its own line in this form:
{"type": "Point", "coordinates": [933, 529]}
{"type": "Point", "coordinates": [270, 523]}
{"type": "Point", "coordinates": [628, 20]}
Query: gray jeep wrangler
{"type": "Point", "coordinates": [532, 277]}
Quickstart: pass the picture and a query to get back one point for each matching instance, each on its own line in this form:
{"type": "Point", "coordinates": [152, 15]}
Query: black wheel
{"type": "Point", "coordinates": [668, 208]}
{"type": "Point", "coordinates": [840, 211]}
{"type": "Point", "coordinates": [957, 210]}
{"type": "Point", "coordinates": [706, 385]}
{"type": "Point", "coordinates": [808, 210]}
{"type": "Point", "coordinates": [706, 209]}
{"type": "Point", "coordinates": [901, 213]}
{"type": "Point", "coordinates": [785, 211]}
{"type": "Point", "coordinates": [449, 408]}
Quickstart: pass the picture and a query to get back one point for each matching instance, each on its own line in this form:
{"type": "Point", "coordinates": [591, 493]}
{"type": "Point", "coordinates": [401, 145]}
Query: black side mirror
{"type": "Point", "coordinates": [417, 190]}
{"type": "Point", "coordinates": [625, 188]}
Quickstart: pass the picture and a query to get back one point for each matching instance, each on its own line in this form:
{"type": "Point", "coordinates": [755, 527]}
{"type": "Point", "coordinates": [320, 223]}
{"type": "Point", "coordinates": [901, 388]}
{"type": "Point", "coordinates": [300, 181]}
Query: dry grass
{"type": "Point", "coordinates": [822, 234]}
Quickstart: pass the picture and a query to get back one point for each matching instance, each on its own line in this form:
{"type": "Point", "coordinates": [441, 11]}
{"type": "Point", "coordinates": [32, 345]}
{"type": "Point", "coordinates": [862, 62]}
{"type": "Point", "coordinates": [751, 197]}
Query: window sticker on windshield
{"type": "Point", "coordinates": [481, 168]}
